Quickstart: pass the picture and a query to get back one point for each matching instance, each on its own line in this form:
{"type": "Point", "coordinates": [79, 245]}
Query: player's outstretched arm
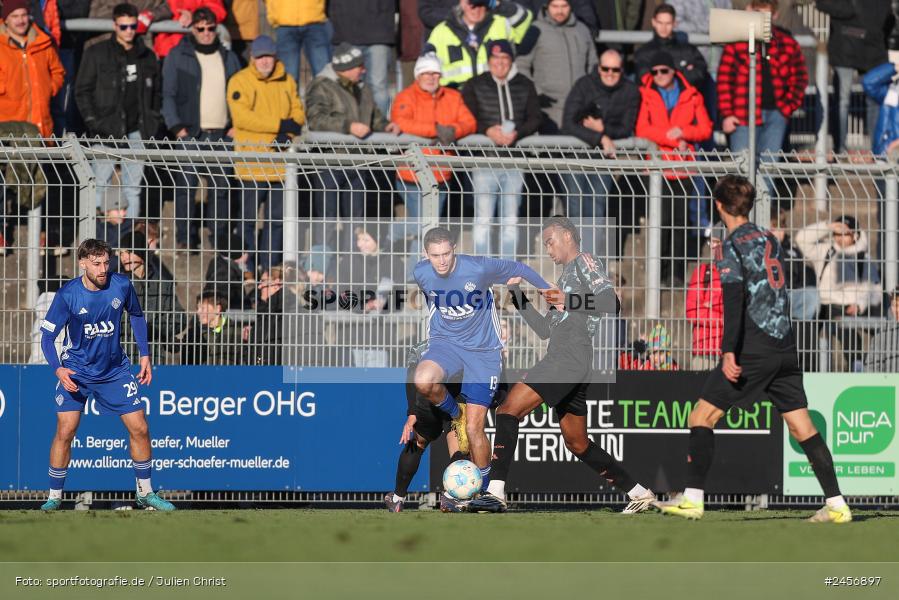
{"type": "Point", "coordinates": [529, 313]}
{"type": "Point", "coordinates": [504, 270]}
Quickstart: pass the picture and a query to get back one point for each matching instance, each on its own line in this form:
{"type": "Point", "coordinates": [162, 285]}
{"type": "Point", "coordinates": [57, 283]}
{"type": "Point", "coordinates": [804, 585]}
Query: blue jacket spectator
{"type": "Point", "coordinates": [880, 87]}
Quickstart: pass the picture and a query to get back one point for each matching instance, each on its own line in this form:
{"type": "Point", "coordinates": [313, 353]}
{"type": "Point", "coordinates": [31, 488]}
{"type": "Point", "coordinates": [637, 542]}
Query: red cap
{"type": "Point", "coordinates": [11, 5]}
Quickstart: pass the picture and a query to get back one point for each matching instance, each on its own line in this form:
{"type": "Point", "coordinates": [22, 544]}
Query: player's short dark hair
{"type": "Point", "coordinates": [92, 247]}
{"type": "Point", "coordinates": [439, 235]}
{"type": "Point", "coordinates": [664, 8]}
{"type": "Point", "coordinates": [214, 298]}
{"type": "Point", "coordinates": [736, 194]}
{"type": "Point", "coordinates": [124, 10]}
{"type": "Point", "coordinates": [563, 223]}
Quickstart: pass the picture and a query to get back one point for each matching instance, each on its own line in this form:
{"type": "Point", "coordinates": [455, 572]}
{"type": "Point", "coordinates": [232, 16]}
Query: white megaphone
{"type": "Point", "coordinates": [727, 26]}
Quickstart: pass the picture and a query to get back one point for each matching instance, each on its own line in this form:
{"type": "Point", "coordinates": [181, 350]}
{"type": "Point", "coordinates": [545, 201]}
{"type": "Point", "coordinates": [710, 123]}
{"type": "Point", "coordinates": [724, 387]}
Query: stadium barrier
{"type": "Point", "coordinates": [366, 312]}
{"type": "Point", "coordinates": [247, 432]}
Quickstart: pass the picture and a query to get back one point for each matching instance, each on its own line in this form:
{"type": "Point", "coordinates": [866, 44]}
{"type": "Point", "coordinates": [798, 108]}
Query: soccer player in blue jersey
{"type": "Point", "coordinates": [758, 355]}
{"type": "Point", "coordinates": [89, 309]}
{"type": "Point", "coordinates": [463, 336]}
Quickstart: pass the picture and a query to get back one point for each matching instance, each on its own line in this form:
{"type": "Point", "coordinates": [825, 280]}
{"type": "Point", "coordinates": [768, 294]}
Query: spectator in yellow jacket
{"type": "Point", "coordinates": [301, 25]}
{"type": "Point", "coordinates": [265, 108]}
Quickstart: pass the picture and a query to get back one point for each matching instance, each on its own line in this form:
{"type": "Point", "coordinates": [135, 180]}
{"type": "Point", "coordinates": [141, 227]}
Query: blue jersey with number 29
{"type": "Point", "coordinates": [92, 321]}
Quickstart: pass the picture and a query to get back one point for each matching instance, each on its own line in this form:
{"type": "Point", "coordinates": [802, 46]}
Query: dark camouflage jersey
{"type": "Point", "coordinates": [752, 258]}
{"type": "Point", "coordinates": [585, 276]}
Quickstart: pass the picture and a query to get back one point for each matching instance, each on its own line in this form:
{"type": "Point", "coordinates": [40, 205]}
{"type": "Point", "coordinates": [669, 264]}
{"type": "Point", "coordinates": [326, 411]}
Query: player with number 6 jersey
{"type": "Point", "coordinates": [758, 355]}
{"type": "Point", "coordinates": [93, 365]}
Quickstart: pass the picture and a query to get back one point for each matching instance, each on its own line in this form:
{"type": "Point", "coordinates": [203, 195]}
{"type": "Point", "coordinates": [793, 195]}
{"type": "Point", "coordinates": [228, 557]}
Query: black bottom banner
{"type": "Point", "coordinates": [642, 421]}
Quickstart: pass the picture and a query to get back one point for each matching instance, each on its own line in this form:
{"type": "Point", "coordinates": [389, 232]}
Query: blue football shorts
{"type": "Point", "coordinates": [480, 369]}
{"type": "Point", "coordinates": [116, 397]}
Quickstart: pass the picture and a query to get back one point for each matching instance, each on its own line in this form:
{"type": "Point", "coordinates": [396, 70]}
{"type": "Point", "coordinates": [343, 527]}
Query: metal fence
{"type": "Point", "coordinates": [308, 249]}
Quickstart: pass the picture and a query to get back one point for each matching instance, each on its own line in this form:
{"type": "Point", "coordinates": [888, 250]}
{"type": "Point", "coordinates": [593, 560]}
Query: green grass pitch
{"type": "Point", "coordinates": [376, 535]}
{"type": "Point", "coordinates": [372, 554]}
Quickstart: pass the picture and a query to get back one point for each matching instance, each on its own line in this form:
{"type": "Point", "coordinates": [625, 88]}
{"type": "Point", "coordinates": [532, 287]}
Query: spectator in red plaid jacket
{"type": "Point", "coordinates": [781, 78]}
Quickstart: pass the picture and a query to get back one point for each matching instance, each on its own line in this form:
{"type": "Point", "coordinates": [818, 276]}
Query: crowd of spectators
{"type": "Point", "coordinates": [502, 68]}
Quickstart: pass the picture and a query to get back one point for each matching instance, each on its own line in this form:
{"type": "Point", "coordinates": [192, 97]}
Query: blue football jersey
{"type": "Point", "coordinates": [92, 322]}
{"type": "Point", "coordinates": [460, 305]}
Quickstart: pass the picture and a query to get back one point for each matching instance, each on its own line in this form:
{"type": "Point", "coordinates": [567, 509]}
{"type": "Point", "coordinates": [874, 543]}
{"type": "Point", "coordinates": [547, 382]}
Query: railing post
{"type": "Point", "coordinates": [291, 241]}
{"type": "Point", "coordinates": [654, 247]}
{"type": "Point", "coordinates": [33, 263]}
{"type": "Point", "coordinates": [430, 189]}
{"type": "Point", "coordinates": [821, 74]}
{"type": "Point", "coordinates": [891, 231]}
{"type": "Point", "coordinates": [87, 190]}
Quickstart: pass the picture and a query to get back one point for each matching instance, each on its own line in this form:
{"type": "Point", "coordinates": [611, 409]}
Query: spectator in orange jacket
{"type": "Point", "coordinates": [427, 110]}
{"type": "Point", "coordinates": [30, 70]}
{"type": "Point", "coordinates": [705, 311]}
{"type": "Point", "coordinates": [673, 115]}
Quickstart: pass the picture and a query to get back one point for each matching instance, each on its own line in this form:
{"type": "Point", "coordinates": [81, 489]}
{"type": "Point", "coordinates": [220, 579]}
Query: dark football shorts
{"type": "Point", "coordinates": [430, 421]}
{"type": "Point", "coordinates": [561, 380]}
{"type": "Point", "coordinates": [776, 377]}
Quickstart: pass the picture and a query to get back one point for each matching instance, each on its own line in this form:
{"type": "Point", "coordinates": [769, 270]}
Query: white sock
{"type": "Point", "coordinates": [497, 488]}
{"type": "Point", "coordinates": [144, 487]}
{"type": "Point", "coordinates": [835, 502]}
{"type": "Point", "coordinates": [694, 495]}
{"type": "Point", "coordinates": [637, 491]}
{"type": "Point", "coordinates": [399, 498]}
{"type": "Point", "coordinates": [56, 494]}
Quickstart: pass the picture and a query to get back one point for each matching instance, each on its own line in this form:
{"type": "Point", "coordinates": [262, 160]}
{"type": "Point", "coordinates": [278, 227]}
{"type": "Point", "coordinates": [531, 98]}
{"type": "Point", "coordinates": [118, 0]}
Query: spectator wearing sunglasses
{"type": "Point", "coordinates": [118, 93]}
{"type": "Point", "coordinates": [673, 115]}
{"type": "Point", "coordinates": [195, 109]}
{"type": "Point", "coordinates": [183, 12]}
{"type": "Point", "coordinates": [601, 108]}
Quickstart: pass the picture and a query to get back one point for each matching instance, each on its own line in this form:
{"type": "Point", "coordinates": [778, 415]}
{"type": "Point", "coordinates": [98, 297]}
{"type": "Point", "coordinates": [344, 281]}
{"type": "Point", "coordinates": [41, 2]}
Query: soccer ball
{"type": "Point", "coordinates": [462, 479]}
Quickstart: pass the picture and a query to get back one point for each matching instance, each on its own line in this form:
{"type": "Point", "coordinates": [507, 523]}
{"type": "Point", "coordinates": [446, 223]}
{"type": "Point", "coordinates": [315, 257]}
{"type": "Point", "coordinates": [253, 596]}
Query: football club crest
{"type": "Point", "coordinates": [116, 303]}
{"type": "Point", "coordinates": [470, 286]}
{"type": "Point", "coordinates": [59, 399]}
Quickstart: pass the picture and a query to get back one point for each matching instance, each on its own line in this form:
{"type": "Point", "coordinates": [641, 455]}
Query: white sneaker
{"type": "Point", "coordinates": [640, 503]}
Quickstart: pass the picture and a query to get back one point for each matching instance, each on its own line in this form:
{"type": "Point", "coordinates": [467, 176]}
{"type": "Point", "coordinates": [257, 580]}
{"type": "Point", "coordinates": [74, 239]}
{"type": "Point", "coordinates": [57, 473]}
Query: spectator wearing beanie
{"type": "Point", "coordinates": [338, 100]}
{"type": "Point", "coordinates": [427, 109]}
{"type": "Point", "coordinates": [561, 53]}
{"type": "Point", "coordinates": [199, 62]}
{"type": "Point", "coordinates": [687, 58]}
{"type": "Point", "coordinates": [118, 93]}
{"type": "Point", "coordinates": [265, 108]}
{"type": "Point", "coordinates": [30, 70]}
{"type": "Point", "coordinates": [370, 25]}
{"type": "Point", "coordinates": [460, 41]}
{"type": "Point", "coordinates": [504, 103]}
